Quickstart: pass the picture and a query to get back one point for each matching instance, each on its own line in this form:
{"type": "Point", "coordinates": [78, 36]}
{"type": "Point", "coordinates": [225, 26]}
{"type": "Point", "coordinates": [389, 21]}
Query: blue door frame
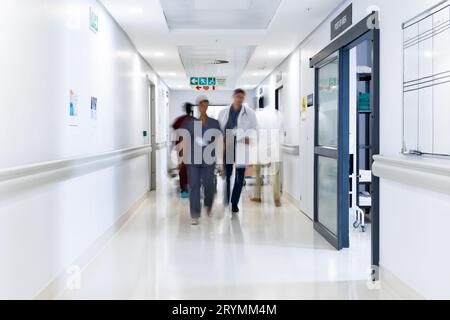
{"type": "Point", "coordinates": [354, 36]}
{"type": "Point", "coordinates": [340, 154]}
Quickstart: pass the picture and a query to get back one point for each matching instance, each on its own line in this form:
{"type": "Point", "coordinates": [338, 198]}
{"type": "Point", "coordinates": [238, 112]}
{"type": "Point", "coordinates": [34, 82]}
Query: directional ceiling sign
{"type": "Point", "coordinates": [194, 81]}
{"type": "Point", "coordinates": [205, 88]}
{"type": "Point", "coordinates": [207, 83]}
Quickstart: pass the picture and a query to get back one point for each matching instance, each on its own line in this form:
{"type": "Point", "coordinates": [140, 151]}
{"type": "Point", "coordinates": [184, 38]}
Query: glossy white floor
{"type": "Point", "coordinates": [267, 253]}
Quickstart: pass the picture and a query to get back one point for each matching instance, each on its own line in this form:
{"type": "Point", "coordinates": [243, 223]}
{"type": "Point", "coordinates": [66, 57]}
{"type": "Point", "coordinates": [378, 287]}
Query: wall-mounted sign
{"type": "Point", "coordinates": [310, 100]}
{"type": "Point", "coordinates": [304, 108]}
{"type": "Point", "coordinates": [342, 22]}
{"type": "Point", "coordinates": [94, 108]}
{"type": "Point", "coordinates": [73, 108]}
{"type": "Point", "coordinates": [279, 77]}
{"type": "Point", "coordinates": [93, 20]}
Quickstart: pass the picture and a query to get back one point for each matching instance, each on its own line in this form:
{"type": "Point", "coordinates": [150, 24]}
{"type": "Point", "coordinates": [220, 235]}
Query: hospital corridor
{"type": "Point", "coordinates": [267, 254]}
{"type": "Point", "coordinates": [239, 150]}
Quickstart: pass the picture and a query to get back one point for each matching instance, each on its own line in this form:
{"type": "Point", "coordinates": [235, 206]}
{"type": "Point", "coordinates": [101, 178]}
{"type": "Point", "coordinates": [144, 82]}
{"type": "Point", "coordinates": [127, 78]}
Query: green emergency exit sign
{"type": "Point", "coordinates": [93, 20]}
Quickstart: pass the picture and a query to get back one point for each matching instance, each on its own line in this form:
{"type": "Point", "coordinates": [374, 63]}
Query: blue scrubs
{"type": "Point", "coordinates": [201, 174]}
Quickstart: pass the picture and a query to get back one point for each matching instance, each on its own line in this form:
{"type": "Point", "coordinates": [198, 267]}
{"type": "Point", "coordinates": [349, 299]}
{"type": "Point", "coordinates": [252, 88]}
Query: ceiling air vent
{"type": "Point", "coordinates": [216, 61]}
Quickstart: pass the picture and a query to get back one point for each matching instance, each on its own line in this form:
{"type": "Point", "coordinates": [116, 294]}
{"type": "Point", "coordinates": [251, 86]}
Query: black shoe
{"type": "Point", "coordinates": [235, 209]}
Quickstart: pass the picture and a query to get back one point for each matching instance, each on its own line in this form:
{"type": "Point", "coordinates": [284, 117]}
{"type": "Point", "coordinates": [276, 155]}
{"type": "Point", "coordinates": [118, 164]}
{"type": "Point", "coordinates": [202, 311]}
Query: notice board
{"type": "Point", "coordinates": [426, 82]}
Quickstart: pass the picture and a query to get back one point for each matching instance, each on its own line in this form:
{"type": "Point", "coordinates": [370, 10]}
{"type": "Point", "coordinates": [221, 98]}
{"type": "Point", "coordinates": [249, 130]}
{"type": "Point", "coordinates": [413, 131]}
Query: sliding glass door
{"type": "Point", "coordinates": [331, 155]}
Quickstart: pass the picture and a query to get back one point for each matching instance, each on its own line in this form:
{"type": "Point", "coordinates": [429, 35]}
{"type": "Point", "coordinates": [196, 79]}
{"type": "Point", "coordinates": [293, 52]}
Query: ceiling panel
{"type": "Point", "coordinates": [203, 61]}
{"type": "Point", "coordinates": [224, 15]}
{"type": "Point", "coordinates": [146, 24]}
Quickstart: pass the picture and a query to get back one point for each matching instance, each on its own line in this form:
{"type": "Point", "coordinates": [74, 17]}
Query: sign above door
{"type": "Point", "coordinates": [342, 22]}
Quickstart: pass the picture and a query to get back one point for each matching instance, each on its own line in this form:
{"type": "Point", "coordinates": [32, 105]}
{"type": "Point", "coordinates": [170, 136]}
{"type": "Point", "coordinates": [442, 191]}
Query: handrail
{"type": "Point", "coordinates": [43, 167]}
{"type": "Point", "coordinates": [416, 172]}
{"type": "Point", "coordinates": [162, 145]}
{"type": "Point", "coordinates": [293, 149]}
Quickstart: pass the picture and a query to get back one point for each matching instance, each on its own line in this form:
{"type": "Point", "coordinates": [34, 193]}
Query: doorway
{"type": "Point", "coordinates": [337, 178]}
{"type": "Point", "coordinates": [279, 108]}
{"type": "Point", "coordinates": [152, 134]}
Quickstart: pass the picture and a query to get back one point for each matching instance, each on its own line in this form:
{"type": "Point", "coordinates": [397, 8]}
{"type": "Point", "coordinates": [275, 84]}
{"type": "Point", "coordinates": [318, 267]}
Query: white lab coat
{"type": "Point", "coordinates": [270, 130]}
{"type": "Point", "coordinates": [247, 126]}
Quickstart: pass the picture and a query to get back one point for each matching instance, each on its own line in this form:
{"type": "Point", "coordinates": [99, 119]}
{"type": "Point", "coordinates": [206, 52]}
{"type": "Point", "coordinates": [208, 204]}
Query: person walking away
{"type": "Point", "coordinates": [269, 154]}
{"type": "Point", "coordinates": [236, 122]}
{"type": "Point", "coordinates": [204, 148]}
{"type": "Point", "coordinates": [179, 123]}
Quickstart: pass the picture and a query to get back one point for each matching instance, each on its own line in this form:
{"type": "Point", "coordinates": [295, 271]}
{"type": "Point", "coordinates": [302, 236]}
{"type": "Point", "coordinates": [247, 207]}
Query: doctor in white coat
{"type": "Point", "coordinates": [239, 125]}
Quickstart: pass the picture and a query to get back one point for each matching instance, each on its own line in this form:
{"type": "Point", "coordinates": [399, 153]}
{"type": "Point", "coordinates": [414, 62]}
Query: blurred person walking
{"type": "Point", "coordinates": [236, 122]}
{"type": "Point", "coordinates": [269, 154]}
{"type": "Point", "coordinates": [180, 123]}
{"type": "Point", "coordinates": [203, 149]}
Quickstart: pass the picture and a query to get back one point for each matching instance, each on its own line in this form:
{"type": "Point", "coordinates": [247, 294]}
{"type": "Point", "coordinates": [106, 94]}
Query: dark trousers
{"type": "Point", "coordinates": [183, 178]}
{"type": "Point", "coordinates": [198, 176]}
{"type": "Point", "coordinates": [238, 184]}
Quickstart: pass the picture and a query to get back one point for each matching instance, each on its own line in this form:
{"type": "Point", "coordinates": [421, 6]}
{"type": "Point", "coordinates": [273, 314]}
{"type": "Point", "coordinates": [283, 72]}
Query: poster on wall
{"type": "Point", "coordinates": [94, 108]}
{"type": "Point", "coordinates": [73, 108]}
{"type": "Point", "coordinates": [304, 110]}
{"type": "Point", "coordinates": [93, 20]}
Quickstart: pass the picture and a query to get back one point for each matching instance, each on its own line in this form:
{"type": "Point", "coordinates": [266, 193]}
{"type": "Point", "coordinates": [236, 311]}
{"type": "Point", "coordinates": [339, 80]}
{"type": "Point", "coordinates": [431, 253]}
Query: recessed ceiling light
{"type": "Point", "coordinates": [155, 54]}
{"type": "Point", "coordinates": [123, 54]}
{"type": "Point", "coordinates": [135, 10]}
{"type": "Point", "coordinates": [168, 74]}
{"type": "Point", "coordinates": [273, 53]}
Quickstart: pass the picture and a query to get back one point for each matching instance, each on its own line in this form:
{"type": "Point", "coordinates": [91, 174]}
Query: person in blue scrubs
{"type": "Point", "coordinates": [205, 138]}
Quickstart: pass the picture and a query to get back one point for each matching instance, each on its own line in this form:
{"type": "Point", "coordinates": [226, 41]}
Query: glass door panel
{"type": "Point", "coordinates": [330, 183]}
{"type": "Point", "coordinates": [327, 193]}
{"type": "Point", "coordinates": [329, 103]}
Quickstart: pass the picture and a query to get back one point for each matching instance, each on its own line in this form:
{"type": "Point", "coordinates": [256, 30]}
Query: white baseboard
{"type": "Point", "coordinates": [295, 202]}
{"type": "Point", "coordinates": [392, 283]}
{"type": "Point", "coordinates": [58, 285]}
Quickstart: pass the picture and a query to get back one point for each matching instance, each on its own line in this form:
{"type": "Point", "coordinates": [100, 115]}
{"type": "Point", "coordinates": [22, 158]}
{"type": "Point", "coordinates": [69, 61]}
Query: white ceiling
{"type": "Point", "coordinates": [229, 14]}
{"type": "Point", "coordinates": [267, 32]}
{"type": "Point", "coordinates": [202, 61]}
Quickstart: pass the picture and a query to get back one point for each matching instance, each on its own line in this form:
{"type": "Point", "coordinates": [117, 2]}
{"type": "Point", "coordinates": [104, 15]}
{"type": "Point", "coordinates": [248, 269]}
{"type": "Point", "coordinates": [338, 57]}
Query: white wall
{"type": "Point", "coordinates": [414, 222]}
{"type": "Point", "coordinates": [49, 50]}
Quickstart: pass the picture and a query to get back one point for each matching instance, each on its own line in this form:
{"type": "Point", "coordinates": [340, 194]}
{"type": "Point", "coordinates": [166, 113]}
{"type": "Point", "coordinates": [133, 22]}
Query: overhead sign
{"type": "Point", "coordinates": [207, 83]}
{"type": "Point", "coordinates": [221, 82]}
{"type": "Point", "coordinates": [342, 22]}
{"type": "Point", "coordinates": [194, 81]}
{"type": "Point", "coordinates": [205, 88]}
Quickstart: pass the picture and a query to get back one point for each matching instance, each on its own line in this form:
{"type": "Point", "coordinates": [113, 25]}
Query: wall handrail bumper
{"type": "Point", "coordinates": [293, 149]}
{"type": "Point", "coordinates": [420, 173]}
{"type": "Point", "coordinates": [44, 167]}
